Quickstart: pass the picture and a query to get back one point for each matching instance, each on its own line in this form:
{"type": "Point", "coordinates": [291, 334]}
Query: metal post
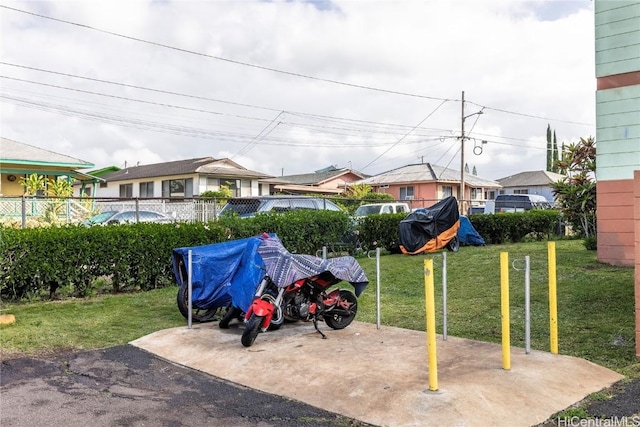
{"type": "Point", "coordinates": [444, 296]}
{"type": "Point", "coordinates": [137, 210]}
{"type": "Point", "coordinates": [378, 288]}
{"type": "Point", "coordinates": [527, 306]}
{"type": "Point", "coordinates": [324, 252]}
{"type": "Point", "coordinates": [24, 212]}
{"type": "Point", "coordinates": [189, 290]}
{"type": "Point", "coordinates": [462, 159]}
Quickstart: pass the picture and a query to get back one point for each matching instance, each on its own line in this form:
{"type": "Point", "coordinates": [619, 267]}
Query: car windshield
{"type": "Point", "coordinates": [101, 217]}
{"type": "Point", "coordinates": [241, 206]}
{"type": "Point", "coordinates": [365, 210]}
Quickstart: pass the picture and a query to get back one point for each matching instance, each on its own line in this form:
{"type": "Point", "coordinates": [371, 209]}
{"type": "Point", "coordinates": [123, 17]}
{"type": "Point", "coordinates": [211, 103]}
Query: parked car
{"type": "Point", "coordinates": [520, 202]}
{"type": "Point", "coordinates": [249, 206]}
{"type": "Point", "coordinates": [124, 217]}
{"type": "Point", "coordinates": [381, 208]}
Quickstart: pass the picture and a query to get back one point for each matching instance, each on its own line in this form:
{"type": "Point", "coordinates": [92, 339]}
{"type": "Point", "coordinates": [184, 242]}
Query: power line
{"type": "Point", "coordinates": [318, 117]}
{"type": "Point", "coordinates": [75, 76]}
{"type": "Point", "coordinates": [405, 135]}
{"type": "Point", "coordinates": [530, 115]}
{"type": "Point", "coordinates": [219, 58]}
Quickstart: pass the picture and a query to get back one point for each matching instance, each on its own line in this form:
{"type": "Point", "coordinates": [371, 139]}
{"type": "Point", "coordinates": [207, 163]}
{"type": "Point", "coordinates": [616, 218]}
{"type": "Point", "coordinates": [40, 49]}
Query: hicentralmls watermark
{"type": "Point", "coordinates": [633, 421]}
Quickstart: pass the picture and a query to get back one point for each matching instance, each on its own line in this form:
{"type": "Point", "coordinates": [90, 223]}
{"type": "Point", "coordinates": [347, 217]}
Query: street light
{"type": "Point", "coordinates": [462, 138]}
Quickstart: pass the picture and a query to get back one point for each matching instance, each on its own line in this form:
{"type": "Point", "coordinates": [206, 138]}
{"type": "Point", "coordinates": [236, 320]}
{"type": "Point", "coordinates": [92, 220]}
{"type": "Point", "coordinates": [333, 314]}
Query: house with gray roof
{"type": "Point", "coordinates": [180, 179]}
{"type": "Point", "coordinates": [330, 180]}
{"type": "Point", "coordinates": [19, 160]}
{"type": "Point", "coordinates": [531, 182]}
{"type": "Point", "coordinates": [422, 185]}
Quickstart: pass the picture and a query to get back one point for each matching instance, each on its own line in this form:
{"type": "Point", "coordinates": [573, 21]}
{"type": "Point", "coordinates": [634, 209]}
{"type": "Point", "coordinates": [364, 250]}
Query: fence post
{"type": "Point", "coordinates": [24, 211]}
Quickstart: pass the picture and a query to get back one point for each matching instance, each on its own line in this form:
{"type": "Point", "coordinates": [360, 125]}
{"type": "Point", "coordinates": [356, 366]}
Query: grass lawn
{"type": "Point", "coordinates": [595, 305]}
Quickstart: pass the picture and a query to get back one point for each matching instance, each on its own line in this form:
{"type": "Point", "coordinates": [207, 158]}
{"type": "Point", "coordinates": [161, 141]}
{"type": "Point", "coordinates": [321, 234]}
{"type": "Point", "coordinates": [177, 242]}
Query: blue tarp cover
{"type": "Point", "coordinates": [222, 272]}
{"type": "Point", "coordinates": [230, 272]}
{"type": "Point", "coordinates": [467, 234]}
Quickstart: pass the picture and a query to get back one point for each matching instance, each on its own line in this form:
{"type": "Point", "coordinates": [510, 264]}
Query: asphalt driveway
{"type": "Point", "coordinates": [128, 386]}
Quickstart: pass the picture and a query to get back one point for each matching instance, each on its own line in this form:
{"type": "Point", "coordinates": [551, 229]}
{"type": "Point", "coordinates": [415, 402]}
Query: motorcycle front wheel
{"type": "Point", "coordinates": [199, 315]}
{"type": "Point", "coordinates": [251, 330]}
{"type": "Point", "coordinates": [340, 317]}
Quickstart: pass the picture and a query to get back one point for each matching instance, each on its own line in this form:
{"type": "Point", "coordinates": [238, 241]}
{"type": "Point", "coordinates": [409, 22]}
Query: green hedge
{"type": "Point", "coordinates": [36, 262]}
{"type": "Point", "coordinates": [516, 227]}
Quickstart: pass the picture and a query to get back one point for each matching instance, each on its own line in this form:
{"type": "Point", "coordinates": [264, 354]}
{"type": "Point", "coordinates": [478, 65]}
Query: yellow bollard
{"type": "Point", "coordinates": [431, 324]}
{"type": "Point", "coordinates": [504, 307]}
{"type": "Point", "coordinates": [553, 299]}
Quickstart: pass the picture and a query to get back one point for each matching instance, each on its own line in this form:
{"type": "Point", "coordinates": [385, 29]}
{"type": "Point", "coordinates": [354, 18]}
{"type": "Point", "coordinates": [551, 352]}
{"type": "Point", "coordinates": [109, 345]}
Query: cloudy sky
{"type": "Point", "coordinates": [288, 87]}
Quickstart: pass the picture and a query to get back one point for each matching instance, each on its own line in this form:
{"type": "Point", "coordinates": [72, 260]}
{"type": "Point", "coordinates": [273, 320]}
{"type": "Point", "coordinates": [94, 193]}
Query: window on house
{"type": "Point", "coordinates": [126, 191]}
{"type": "Point", "coordinates": [406, 193]}
{"type": "Point", "coordinates": [103, 185]}
{"type": "Point", "coordinates": [447, 191]}
{"type": "Point", "coordinates": [490, 195]}
{"type": "Point", "coordinates": [146, 189]}
{"type": "Point", "coordinates": [521, 191]}
{"type": "Point", "coordinates": [476, 193]}
{"type": "Point", "coordinates": [177, 187]}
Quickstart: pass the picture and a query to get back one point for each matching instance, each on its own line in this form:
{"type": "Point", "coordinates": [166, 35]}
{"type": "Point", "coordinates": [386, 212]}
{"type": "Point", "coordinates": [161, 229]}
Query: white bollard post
{"type": "Point", "coordinates": [378, 288]}
{"type": "Point", "coordinates": [444, 296]}
{"type": "Point", "coordinates": [527, 306]}
{"type": "Point", "coordinates": [189, 289]}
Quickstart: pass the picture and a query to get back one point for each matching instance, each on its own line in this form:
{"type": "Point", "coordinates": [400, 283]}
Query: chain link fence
{"type": "Point", "coordinates": [39, 210]}
{"type": "Point", "coordinates": [31, 211]}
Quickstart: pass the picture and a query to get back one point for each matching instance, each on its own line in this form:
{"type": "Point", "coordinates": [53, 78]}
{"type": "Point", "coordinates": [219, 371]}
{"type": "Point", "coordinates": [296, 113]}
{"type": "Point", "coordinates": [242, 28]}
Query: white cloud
{"type": "Point", "coordinates": [525, 57]}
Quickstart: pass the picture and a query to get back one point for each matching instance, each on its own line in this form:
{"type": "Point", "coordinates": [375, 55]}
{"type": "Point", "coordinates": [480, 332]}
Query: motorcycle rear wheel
{"type": "Point", "coordinates": [251, 330]}
{"type": "Point", "coordinates": [232, 313]}
{"type": "Point", "coordinates": [199, 315]}
{"type": "Point", "coordinates": [339, 318]}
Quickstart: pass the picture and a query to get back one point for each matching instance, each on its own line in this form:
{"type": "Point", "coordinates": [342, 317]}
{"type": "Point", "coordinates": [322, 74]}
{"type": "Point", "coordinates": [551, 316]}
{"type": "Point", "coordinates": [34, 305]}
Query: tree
{"type": "Point", "coordinates": [32, 184]}
{"type": "Point", "coordinates": [552, 150]}
{"type": "Point", "coordinates": [555, 159]}
{"type": "Point", "coordinates": [358, 191]}
{"type": "Point", "coordinates": [221, 196]}
{"type": "Point", "coordinates": [58, 189]}
{"type": "Point", "coordinates": [549, 156]}
{"type": "Point", "coordinates": [576, 193]}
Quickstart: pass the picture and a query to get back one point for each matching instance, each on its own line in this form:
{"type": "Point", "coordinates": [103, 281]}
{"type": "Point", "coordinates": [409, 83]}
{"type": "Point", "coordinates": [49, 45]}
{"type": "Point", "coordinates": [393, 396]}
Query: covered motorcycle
{"type": "Point", "coordinates": [259, 277]}
{"type": "Point", "coordinates": [432, 228]}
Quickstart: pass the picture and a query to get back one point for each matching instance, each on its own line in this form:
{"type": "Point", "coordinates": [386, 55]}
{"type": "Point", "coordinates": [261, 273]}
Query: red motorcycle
{"type": "Point", "coordinates": [306, 299]}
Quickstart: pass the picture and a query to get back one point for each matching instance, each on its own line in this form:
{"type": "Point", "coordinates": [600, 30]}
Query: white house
{"type": "Point", "coordinates": [177, 179]}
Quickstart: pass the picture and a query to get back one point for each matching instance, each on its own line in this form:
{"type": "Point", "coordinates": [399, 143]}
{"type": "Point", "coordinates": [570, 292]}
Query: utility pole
{"type": "Point", "coordinates": [462, 211]}
{"type": "Point", "coordinates": [462, 162]}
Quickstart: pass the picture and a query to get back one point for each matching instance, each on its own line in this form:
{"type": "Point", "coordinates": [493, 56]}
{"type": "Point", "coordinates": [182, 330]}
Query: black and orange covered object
{"type": "Point", "coordinates": [430, 229]}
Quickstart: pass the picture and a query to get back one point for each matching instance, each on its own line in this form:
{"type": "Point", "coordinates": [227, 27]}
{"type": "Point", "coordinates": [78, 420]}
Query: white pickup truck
{"type": "Point", "coordinates": [382, 208]}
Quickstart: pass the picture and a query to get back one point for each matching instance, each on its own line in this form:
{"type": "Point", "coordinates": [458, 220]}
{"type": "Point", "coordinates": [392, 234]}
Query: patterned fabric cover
{"type": "Point", "coordinates": [285, 268]}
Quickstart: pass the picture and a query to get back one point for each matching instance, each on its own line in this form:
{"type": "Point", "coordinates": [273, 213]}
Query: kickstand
{"type": "Point", "coordinates": [315, 325]}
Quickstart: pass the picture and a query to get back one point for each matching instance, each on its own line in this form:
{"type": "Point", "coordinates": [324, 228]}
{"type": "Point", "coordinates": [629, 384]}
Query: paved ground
{"type": "Point", "coordinates": [131, 386]}
{"type": "Point", "coordinates": [381, 377]}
